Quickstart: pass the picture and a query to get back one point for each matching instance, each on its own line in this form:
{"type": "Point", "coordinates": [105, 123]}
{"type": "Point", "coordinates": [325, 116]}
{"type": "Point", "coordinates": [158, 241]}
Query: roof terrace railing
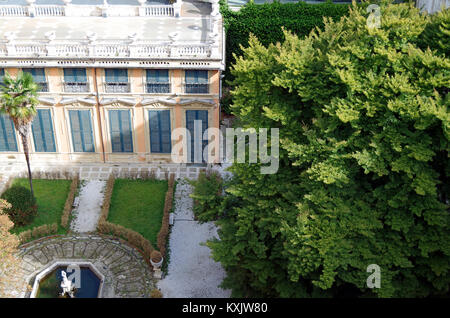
{"type": "Point", "coordinates": [160, 10]}
{"type": "Point", "coordinates": [38, 49]}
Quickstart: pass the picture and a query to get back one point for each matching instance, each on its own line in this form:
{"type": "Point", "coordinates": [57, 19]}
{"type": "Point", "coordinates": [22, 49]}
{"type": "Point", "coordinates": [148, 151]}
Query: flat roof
{"type": "Point", "coordinates": [193, 25]}
{"type": "Point", "coordinates": [146, 29]}
{"type": "Point", "coordinates": [77, 2]}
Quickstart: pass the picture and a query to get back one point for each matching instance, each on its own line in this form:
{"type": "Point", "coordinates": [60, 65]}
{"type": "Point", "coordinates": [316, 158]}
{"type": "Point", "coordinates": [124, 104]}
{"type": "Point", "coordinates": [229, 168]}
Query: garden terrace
{"type": "Point", "coordinates": [51, 196]}
{"type": "Point", "coordinates": [138, 205]}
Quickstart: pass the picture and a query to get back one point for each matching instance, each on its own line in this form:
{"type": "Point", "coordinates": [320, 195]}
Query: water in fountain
{"type": "Point", "coordinates": [50, 286]}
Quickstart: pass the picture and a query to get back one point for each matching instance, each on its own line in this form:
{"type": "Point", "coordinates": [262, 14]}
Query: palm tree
{"type": "Point", "coordinates": [18, 99]}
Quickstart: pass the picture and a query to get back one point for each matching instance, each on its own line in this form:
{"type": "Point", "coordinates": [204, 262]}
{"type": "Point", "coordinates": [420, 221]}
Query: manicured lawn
{"type": "Point", "coordinates": [51, 195]}
{"type": "Point", "coordinates": [139, 206]}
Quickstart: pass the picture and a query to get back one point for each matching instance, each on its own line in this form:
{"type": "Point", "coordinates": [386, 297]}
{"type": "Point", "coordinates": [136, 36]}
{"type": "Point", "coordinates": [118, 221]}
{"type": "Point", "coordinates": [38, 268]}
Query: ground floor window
{"type": "Point", "coordinates": [160, 132]}
{"type": "Point", "coordinates": [8, 140]}
{"type": "Point", "coordinates": [197, 123]}
{"type": "Point", "coordinates": [121, 130]}
{"type": "Point", "coordinates": [81, 126]}
{"type": "Point", "coordinates": [43, 135]}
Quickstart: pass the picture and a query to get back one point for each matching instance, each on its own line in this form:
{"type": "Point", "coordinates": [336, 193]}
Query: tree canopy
{"type": "Point", "coordinates": [363, 178]}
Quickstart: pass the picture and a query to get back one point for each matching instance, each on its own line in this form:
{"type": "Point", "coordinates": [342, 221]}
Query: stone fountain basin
{"type": "Point", "coordinates": [50, 269]}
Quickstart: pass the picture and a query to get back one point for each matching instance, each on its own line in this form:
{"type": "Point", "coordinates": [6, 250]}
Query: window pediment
{"type": "Point", "coordinates": [118, 102]}
{"type": "Point", "coordinates": [79, 102]}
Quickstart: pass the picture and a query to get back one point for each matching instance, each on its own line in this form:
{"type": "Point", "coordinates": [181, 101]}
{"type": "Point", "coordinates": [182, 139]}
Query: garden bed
{"type": "Point", "coordinates": [51, 196]}
{"type": "Point", "coordinates": [138, 205]}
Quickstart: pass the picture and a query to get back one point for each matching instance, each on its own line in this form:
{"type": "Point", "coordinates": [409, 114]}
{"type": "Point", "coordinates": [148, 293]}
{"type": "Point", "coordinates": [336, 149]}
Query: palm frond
{"type": "Point", "coordinates": [18, 96]}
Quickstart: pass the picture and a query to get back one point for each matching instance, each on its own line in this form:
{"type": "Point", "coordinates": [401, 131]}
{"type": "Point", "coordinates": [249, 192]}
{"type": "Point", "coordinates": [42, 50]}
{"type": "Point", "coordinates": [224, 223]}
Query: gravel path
{"type": "Point", "coordinates": [88, 212]}
{"type": "Point", "coordinates": [192, 271]}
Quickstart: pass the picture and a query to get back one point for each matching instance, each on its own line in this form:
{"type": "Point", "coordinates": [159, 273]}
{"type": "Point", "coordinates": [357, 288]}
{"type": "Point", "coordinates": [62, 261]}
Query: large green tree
{"type": "Point", "coordinates": [18, 100]}
{"type": "Point", "coordinates": [364, 138]}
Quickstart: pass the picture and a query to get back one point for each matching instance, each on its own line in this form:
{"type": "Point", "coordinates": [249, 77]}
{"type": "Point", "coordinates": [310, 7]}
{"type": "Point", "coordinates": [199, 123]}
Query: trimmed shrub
{"type": "Point", "coordinates": [69, 202]}
{"type": "Point", "coordinates": [38, 232]}
{"type": "Point", "coordinates": [156, 293]}
{"type": "Point", "coordinates": [107, 198]}
{"type": "Point", "coordinates": [23, 205]}
{"type": "Point", "coordinates": [207, 196]}
{"type": "Point", "coordinates": [132, 237]}
{"type": "Point", "coordinates": [168, 204]}
{"type": "Point", "coordinates": [25, 236]}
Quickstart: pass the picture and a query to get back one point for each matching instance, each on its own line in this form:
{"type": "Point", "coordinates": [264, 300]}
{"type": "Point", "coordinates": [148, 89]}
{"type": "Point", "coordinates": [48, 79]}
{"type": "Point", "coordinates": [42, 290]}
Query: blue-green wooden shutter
{"type": "Point", "coordinates": [114, 123]}
{"type": "Point", "coordinates": [155, 145]}
{"type": "Point", "coordinates": [2, 74]}
{"type": "Point", "coordinates": [190, 77]}
{"type": "Point", "coordinates": [127, 136]}
{"type": "Point", "coordinates": [160, 131]}
{"type": "Point", "coordinates": [76, 131]}
{"type": "Point", "coordinates": [37, 73]}
{"type": "Point", "coordinates": [88, 138]}
{"type": "Point", "coordinates": [166, 133]}
{"type": "Point", "coordinates": [191, 117]}
{"type": "Point", "coordinates": [196, 77]}
{"type": "Point", "coordinates": [75, 75]}
{"type": "Point", "coordinates": [116, 75]}
{"type": "Point", "coordinates": [121, 133]}
{"type": "Point", "coordinates": [69, 76]}
{"type": "Point", "coordinates": [157, 76]}
{"type": "Point", "coordinates": [43, 135]}
{"type": "Point", "coordinates": [109, 75]}
{"type": "Point", "coordinates": [82, 137]}
{"type": "Point", "coordinates": [8, 140]}
{"type": "Point", "coordinates": [202, 77]}
{"type": "Point", "coordinates": [122, 75]}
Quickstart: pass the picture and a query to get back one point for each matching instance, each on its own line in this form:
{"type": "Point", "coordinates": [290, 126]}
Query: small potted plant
{"type": "Point", "coordinates": [156, 259]}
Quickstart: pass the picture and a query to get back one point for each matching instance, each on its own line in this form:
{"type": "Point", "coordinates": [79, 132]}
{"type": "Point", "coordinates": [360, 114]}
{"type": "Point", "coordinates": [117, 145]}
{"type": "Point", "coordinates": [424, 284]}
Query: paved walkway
{"type": "Point", "coordinates": [192, 271]}
{"type": "Point", "coordinates": [87, 214]}
{"type": "Point", "coordinates": [125, 270]}
{"type": "Point", "coordinates": [94, 171]}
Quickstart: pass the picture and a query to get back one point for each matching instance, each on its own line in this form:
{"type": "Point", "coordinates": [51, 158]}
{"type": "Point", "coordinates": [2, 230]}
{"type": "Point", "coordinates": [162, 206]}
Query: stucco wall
{"type": "Point", "coordinates": [56, 100]}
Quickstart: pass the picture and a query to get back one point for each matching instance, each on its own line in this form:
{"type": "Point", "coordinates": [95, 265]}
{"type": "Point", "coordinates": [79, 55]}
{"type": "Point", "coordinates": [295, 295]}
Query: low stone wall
{"type": "Point", "coordinates": [125, 271]}
{"type": "Point", "coordinates": [94, 171]}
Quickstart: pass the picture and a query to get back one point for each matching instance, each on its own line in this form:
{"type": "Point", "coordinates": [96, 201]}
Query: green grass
{"type": "Point", "coordinates": [139, 206]}
{"type": "Point", "coordinates": [51, 195]}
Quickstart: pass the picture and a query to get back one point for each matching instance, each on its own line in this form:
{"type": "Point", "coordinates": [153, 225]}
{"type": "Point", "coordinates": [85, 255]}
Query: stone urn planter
{"type": "Point", "coordinates": [156, 259]}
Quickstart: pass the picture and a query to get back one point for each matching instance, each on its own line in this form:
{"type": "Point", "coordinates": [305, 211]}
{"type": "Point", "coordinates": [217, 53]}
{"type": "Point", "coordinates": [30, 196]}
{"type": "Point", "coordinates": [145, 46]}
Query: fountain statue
{"type": "Point", "coordinates": [67, 286]}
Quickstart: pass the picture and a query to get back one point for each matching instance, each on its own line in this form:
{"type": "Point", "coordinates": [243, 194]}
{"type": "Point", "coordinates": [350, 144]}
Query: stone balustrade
{"type": "Point", "coordinates": [89, 10]}
{"type": "Point", "coordinates": [53, 49]}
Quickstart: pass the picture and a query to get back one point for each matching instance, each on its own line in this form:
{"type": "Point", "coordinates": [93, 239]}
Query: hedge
{"type": "Point", "coordinates": [69, 202]}
{"type": "Point", "coordinates": [107, 198]}
{"type": "Point", "coordinates": [132, 237]}
{"type": "Point", "coordinates": [38, 232]}
{"type": "Point", "coordinates": [265, 21]}
{"type": "Point", "coordinates": [164, 231]}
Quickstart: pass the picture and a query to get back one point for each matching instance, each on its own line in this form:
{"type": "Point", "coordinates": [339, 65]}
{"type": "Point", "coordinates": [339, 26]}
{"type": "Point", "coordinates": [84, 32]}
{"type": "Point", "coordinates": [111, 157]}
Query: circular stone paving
{"type": "Point", "coordinates": [124, 268]}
